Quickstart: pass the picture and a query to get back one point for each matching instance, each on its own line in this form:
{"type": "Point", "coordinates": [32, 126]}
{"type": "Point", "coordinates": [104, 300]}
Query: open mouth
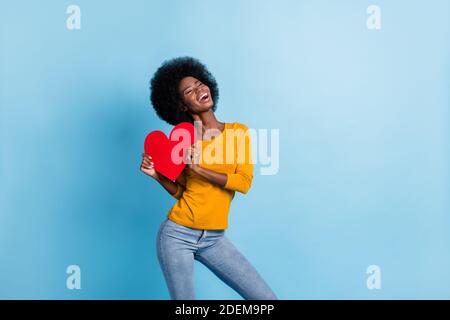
{"type": "Point", "coordinates": [204, 97]}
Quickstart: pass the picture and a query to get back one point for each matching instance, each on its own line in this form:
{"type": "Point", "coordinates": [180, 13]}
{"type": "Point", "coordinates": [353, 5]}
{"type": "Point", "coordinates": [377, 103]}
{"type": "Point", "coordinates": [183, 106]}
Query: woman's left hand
{"type": "Point", "coordinates": [193, 157]}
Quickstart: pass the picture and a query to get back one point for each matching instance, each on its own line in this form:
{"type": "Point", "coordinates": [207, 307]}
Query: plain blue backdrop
{"type": "Point", "coordinates": [364, 144]}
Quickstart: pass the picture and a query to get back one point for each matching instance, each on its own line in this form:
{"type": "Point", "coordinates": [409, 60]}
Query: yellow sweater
{"type": "Point", "coordinates": [202, 204]}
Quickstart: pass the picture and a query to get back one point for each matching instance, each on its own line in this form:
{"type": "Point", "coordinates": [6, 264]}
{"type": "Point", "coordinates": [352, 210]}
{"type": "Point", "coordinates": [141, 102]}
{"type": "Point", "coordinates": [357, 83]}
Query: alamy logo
{"type": "Point", "coordinates": [73, 21]}
{"type": "Point", "coordinates": [235, 144]}
{"type": "Point", "coordinates": [74, 279]}
{"type": "Point", "coordinates": [374, 19]}
{"type": "Point", "coordinates": [374, 279]}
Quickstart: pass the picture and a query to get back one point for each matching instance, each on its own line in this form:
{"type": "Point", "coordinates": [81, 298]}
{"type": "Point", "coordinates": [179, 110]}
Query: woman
{"type": "Point", "coordinates": [182, 89]}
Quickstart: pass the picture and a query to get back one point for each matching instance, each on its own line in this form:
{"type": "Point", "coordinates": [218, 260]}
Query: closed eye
{"type": "Point", "coordinates": [198, 84]}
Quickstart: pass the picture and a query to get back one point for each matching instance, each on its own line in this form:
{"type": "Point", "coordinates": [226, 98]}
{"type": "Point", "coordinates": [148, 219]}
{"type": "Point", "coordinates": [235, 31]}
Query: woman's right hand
{"type": "Point", "coordinates": [147, 166]}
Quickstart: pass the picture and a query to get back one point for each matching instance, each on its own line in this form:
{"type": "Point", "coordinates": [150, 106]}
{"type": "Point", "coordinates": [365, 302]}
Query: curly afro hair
{"type": "Point", "coordinates": [165, 97]}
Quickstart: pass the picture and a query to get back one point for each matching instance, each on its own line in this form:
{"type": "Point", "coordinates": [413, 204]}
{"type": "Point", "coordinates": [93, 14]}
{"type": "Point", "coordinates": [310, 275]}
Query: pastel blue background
{"type": "Point", "coordinates": [364, 144]}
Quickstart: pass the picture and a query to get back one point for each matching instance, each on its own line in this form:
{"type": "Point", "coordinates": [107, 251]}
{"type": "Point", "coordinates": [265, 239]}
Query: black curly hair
{"type": "Point", "coordinates": [165, 97]}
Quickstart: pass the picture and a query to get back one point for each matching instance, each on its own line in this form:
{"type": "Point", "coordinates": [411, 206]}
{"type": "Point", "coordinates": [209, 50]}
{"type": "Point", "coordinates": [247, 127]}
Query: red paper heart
{"type": "Point", "coordinates": [168, 153]}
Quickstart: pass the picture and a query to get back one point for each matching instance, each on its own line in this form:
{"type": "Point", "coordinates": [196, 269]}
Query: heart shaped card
{"type": "Point", "coordinates": [168, 153]}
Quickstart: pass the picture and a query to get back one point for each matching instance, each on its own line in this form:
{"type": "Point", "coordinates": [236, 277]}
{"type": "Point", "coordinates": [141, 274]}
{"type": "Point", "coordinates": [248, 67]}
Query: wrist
{"type": "Point", "coordinates": [197, 169]}
{"type": "Point", "coordinates": [158, 177]}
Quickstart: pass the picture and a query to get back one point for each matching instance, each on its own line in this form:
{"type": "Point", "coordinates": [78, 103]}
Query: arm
{"type": "Point", "coordinates": [241, 179]}
{"type": "Point", "coordinates": [175, 189]}
{"type": "Point", "coordinates": [210, 175]}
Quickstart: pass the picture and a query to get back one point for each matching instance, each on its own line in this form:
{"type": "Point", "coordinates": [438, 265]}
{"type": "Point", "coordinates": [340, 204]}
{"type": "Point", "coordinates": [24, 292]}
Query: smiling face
{"type": "Point", "coordinates": [195, 95]}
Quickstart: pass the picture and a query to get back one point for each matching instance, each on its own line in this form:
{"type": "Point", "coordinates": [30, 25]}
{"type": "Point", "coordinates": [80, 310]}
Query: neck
{"type": "Point", "coordinates": [208, 120]}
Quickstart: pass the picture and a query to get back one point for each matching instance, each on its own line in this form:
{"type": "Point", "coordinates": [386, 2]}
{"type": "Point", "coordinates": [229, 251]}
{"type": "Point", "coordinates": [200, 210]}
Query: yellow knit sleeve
{"type": "Point", "coordinates": [241, 179]}
{"type": "Point", "coordinates": [181, 184]}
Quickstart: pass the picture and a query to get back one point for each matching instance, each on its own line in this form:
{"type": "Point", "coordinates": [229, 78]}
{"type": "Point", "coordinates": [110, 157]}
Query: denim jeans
{"type": "Point", "coordinates": [177, 248]}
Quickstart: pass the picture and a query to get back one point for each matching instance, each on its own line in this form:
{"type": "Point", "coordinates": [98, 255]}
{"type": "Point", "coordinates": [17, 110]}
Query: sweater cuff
{"type": "Point", "coordinates": [233, 182]}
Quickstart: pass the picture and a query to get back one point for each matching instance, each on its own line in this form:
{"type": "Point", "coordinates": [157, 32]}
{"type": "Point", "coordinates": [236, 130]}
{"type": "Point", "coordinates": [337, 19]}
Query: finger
{"type": "Point", "coordinates": [147, 165]}
{"type": "Point", "coordinates": [188, 155]}
{"type": "Point", "coordinates": [146, 160]}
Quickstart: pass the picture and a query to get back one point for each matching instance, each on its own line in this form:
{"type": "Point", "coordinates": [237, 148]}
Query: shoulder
{"type": "Point", "coordinates": [237, 126]}
{"type": "Point", "coordinates": [240, 131]}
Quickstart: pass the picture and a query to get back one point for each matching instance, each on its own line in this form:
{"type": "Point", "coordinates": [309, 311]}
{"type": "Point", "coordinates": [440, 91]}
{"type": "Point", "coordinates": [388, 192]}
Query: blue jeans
{"type": "Point", "coordinates": [178, 246]}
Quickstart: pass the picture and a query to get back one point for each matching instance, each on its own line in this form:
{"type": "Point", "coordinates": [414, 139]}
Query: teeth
{"type": "Point", "coordinates": [205, 95]}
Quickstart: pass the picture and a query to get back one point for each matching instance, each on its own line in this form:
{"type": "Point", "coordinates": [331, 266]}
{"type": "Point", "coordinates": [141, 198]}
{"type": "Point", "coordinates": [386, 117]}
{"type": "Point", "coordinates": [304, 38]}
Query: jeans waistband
{"type": "Point", "coordinates": [178, 225]}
